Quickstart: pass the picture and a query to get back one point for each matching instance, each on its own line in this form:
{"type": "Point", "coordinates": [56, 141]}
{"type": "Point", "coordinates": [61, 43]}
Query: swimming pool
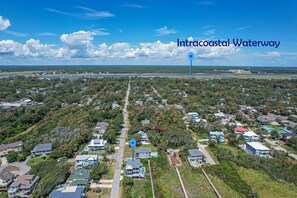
{"type": "Point", "coordinates": [194, 163]}
{"type": "Point", "coordinates": [142, 170]}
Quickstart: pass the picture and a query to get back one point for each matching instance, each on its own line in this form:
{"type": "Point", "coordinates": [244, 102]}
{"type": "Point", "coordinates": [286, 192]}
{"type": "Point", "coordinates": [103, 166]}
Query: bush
{"type": "Point", "coordinates": [12, 157]}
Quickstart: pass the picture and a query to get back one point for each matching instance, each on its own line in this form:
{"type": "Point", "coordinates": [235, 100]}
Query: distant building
{"type": "Point", "coordinates": [257, 148]}
{"type": "Point", "coordinates": [145, 121]}
{"type": "Point", "coordinates": [68, 192]}
{"type": "Point", "coordinates": [266, 119]}
{"type": "Point", "coordinates": [283, 131]}
{"type": "Point", "coordinates": [250, 136]}
{"type": "Point", "coordinates": [195, 157]}
{"type": "Point", "coordinates": [134, 169]}
{"type": "Point", "coordinates": [144, 137]}
{"type": "Point", "coordinates": [85, 160]}
{"type": "Point", "coordinates": [6, 178]}
{"type": "Point", "coordinates": [79, 177]}
{"type": "Point", "coordinates": [96, 144]}
{"type": "Point", "coordinates": [240, 130]}
{"type": "Point", "coordinates": [115, 105]}
{"type": "Point", "coordinates": [23, 186]}
{"type": "Point", "coordinates": [101, 127]}
{"type": "Point", "coordinates": [13, 147]}
{"type": "Point", "coordinates": [139, 102]}
{"type": "Point", "coordinates": [287, 136]}
{"type": "Point", "coordinates": [143, 153]}
{"type": "Point", "coordinates": [267, 129]}
{"type": "Point", "coordinates": [218, 136]}
{"type": "Point", "coordinates": [42, 149]}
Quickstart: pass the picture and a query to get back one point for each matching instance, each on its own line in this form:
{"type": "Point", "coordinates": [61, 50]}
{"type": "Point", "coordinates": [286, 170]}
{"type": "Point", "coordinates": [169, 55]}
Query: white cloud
{"type": "Point", "coordinates": [164, 31]}
{"type": "Point", "coordinates": [79, 43]}
{"type": "Point", "coordinates": [92, 13]}
{"type": "Point", "coordinates": [243, 28]}
{"type": "Point", "coordinates": [45, 34]}
{"type": "Point", "coordinates": [209, 32]}
{"type": "Point", "coordinates": [4, 23]}
{"type": "Point", "coordinates": [273, 54]}
{"type": "Point", "coordinates": [134, 6]}
{"type": "Point", "coordinates": [14, 33]}
{"type": "Point", "coordinates": [79, 46]}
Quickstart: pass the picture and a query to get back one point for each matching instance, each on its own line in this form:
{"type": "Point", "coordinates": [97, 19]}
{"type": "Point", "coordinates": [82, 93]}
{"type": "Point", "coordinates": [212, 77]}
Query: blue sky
{"type": "Point", "coordinates": [145, 31]}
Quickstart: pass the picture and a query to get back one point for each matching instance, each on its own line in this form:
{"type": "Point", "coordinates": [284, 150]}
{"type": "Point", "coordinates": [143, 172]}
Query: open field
{"type": "Point", "coordinates": [265, 186]}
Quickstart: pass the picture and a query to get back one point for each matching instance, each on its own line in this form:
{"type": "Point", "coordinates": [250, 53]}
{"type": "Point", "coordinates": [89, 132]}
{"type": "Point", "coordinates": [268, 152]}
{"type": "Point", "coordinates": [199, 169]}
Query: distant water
{"type": "Point", "coordinates": [224, 75]}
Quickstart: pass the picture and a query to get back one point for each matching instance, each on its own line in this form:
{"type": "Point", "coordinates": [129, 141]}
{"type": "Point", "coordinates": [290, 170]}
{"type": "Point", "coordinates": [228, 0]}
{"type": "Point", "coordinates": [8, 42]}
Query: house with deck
{"type": "Point", "coordinates": [258, 149]}
{"type": "Point", "coordinates": [195, 157]}
{"type": "Point", "coordinates": [12, 147]}
{"type": "Point", "coordinates": [96, 145]}
{"type": "Point", "coordinates": [144, 137]}
{"type": "Point", "coordinates": [134, 168]}
{"type": "Point", "coordinates": [250, 136]}
{"type": "Point", "coordinates": [218, 136]}
{"type": "Point", "coordinates": [6, 178]}
{"type": "Point", "coordinates": [79, 177]}
{"type": "Point", "coordinates": [68, 192]}
{"type": "Point", "coordinates": [23, 186]}
{"type": "Point", "coordinates": [144, 153]}
{"type": "Point", "coordinates": [85, 160]}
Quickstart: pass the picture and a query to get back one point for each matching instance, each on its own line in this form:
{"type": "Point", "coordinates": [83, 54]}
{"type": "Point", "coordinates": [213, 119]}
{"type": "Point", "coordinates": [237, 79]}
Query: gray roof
{"type": "Point", "coordinates": [6, 175]}
{"type": "Point", "coordinates": [12, 145]}
{"type": "Point", "coordinates": [43, 147]}
{"type": "Point", "coordinates": [195, 153]}
{"type": "Point", "coordinates": [135, 164]}
{"type": "Point", "coordinates": [144, 150]}
{"type": "Point", "coordinates": [86, 157]}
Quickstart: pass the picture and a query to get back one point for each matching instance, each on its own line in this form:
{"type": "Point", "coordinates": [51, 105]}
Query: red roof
{"type": "Point", "coordinates": [241, 129]}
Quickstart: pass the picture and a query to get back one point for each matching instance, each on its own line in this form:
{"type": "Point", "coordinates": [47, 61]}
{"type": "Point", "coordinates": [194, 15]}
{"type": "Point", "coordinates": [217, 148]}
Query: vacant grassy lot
{"type": "Point", "coordinates": [265, 186]}
{"type": "Point", "coordinates": [140, 189]}
{"type": "Point", "coordinates": [35, 160]}
{"type": "Point", "coordinates": [195, 182]}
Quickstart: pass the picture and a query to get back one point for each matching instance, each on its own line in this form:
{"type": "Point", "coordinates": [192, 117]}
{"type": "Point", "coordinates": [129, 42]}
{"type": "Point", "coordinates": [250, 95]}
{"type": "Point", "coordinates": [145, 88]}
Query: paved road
{"type": "Point", "coordinates": [279, 148]}
{"type": "Point", "coordinates": [208, 158]}
{"type": "Point", "coordinates": [119, 158]}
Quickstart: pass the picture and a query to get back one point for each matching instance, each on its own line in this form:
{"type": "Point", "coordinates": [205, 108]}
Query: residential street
{"type": "Point", "coordinates": [119, 158]}
{"type": "Point", "coordinates": [279, 148]}
{"type": "Point", "coordinates": [205, 153]}
{"type": "Point", "coordinates": [24, 168]}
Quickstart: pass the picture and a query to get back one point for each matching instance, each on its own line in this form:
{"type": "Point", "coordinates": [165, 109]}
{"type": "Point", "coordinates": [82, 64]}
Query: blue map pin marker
{"type": "Point", "coordinates": [132, 142]}
{"type": "Point", "coordinates": [191, 57]}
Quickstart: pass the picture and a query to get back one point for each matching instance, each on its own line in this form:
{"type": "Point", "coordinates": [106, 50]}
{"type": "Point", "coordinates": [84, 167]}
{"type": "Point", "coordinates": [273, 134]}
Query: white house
{"type": "Point", "coordinates": [250, 136]}
{"type": "Point", "coordinates": [85, 160]}
{"type": "Point", "coordinates": [96, 144]}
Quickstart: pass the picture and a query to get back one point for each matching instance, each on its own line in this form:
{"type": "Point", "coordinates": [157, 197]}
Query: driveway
{"type": "Point", "coordinates": [24, 168]}
{"type": "Point", "coordinates": [279, 148]}
{"type": "Point", "coordinates": [4, 161]}
{"type": "Point", "coordinates": [208, 158]}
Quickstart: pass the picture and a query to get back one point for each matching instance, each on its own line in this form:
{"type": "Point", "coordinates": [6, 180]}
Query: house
{"type": "Point", "coordinates": [192, 114]}
{"type": "Point", "coordinates": [139, 102]}
{"type": "Point", "coordinates": [115, 105]}
{"type": "Point", "coordinates": [144, 137]}
{"type": "Point", "coordinates": [267, 129]}
{"type": "Point", "coordinates": [287, 136]}
{"type": "Point", "coordinates": [218, 136]}
{"type": "Point", "coordinates": [96, 144]}
{"type": "Point", "coordinates": [23, 186]}
{"type": "Point", "coordinates": [79, 177]}
{"type": "Point", "coordinates": [6, 178]}
{"type": "Point", "coordinates": [101, 127]}
{"type": "Point", "coordinates": [257, 148]}
{"type": "Point", "coordinates": [240, 130]}
{"type": "Point", "coordinates": [143, 153]}
{"type": "Point", "coordinates": [145, 121]}
{"type": "Point", "coordinates": [42, 149]}
{"type": "Point", "coordinates": [134, 168]}
{"type": "Point", "coordinates": [266, 119]}
{"type": "Point", "coordinates": [291, 125]}
{"type": "Point", "coordinates": [68, 192]}
{"type": "Point", "coordinates": [283, 131]}
{"type": "Point", "coordinates": [250, 136]}
{"type": "Point", "coordinates": [11, 105]}
{"type": "Point", "coordinates": [195, 157]}
{"type": "Point", "coordinates": [13, 147]}
{"type": "Point", "coordinates": [85, 160]}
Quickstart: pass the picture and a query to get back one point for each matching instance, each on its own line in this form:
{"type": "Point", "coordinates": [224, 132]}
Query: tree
{"type": "Point", "coordinates": [128, 181]}
{"type": "Point", "coordinates": [98, 171]}
{"type": "Point", "coordinates": [12, 157]}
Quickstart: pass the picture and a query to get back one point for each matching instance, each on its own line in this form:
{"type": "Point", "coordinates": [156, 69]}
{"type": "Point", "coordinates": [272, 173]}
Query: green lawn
{"type": "Point", "coordinates": [111, 169]}
{"type": "Point", "coordinates": [195, 182]}
{"type": "Point", "coordinates": [224, 190]}
{"type": "Point", "coordinates": [140, 189]}
{"type": "Point", "coordinates": [265, 186]}
{"type": "Point", "coordinates": [167, 185]}
{"type": "Point", "coordinates": [35, 160]}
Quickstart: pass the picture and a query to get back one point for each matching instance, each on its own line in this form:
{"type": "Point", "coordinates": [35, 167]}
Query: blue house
{"type": "Point", "coordinates": [283, 131]}
{"type": "Point", "coordinates": [267, 128]}
{"type": "Point", "coordinates": [68, 192]}
{"type": "Point", "coordinates": [218, 136]}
